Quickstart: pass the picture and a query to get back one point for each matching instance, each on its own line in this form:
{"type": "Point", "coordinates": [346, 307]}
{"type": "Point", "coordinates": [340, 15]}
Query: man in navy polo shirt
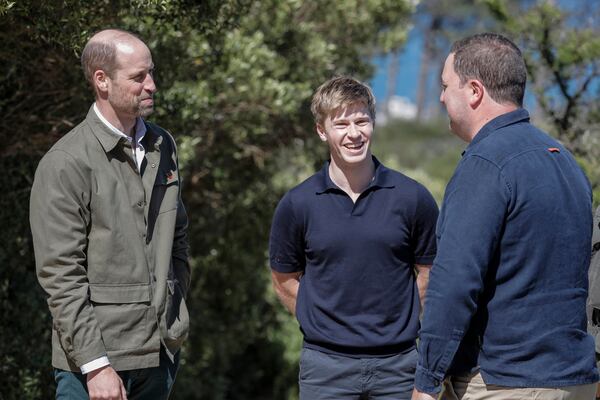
{"type": "Point", "coordinates": [505, 309]}
{"type": "Point", "coordinates": [345, 245]}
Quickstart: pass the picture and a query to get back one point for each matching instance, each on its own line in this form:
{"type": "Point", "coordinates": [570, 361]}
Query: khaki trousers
{"type": "Point", "coordinates": [474, 388]}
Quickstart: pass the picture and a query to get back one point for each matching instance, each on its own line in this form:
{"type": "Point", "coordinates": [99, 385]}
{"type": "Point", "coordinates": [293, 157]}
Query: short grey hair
{"type": "Point", "coordinates": [102, 54]}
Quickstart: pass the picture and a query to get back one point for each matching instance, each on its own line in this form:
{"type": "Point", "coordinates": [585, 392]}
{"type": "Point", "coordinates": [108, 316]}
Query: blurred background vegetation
{"type": "Point", "coordinates": [235, 79]}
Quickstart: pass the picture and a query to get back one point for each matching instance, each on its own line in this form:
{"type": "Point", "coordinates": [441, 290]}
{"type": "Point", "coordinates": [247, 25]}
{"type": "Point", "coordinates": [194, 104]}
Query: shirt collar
{"type": "Point", "coordinates": [518, 115]}
{"type": "Point", "coordinates": [381, 178]}
{"type": "Point", "coordinates": [140, 130]}
{"type": "Point", "coordinates": [111, 136]}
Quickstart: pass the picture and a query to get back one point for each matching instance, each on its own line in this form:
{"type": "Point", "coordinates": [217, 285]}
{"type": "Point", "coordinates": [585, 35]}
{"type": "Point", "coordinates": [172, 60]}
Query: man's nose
{"type": "Point", "coordinates": [353, 131]}
{"type": "Point", "coordinates": [149, 84]}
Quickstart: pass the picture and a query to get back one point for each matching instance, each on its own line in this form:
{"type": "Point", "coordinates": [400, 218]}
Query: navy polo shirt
{"type": "Point", "coordinates": [507, 291]}
{"type": "Point", "coordinates": [358, 294]}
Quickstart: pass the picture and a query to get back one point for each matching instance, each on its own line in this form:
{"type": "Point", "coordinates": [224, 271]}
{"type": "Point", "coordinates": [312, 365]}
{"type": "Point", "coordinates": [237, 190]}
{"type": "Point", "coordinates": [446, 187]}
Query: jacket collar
{"type": "Point", "coordinates": [109, 139]}
{"type": "Point", "coordinates": [152, 139]}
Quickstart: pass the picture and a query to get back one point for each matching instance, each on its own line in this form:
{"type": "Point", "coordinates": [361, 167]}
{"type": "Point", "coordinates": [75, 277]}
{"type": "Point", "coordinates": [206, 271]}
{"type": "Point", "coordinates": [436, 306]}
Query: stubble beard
{"type": "Point", "coordinates": [132, 105]}
{"type": "Point", "coordinates": [144, 111]}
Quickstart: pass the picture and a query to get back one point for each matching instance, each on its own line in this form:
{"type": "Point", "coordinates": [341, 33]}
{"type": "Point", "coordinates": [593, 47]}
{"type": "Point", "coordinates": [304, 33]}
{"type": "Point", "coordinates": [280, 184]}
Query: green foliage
{"type": "Point", "coordinates": [235, 78]}
{"type": "Point", "coordinates": [426, 152]}
{"type": "Point", "coordinates": [24, 319]}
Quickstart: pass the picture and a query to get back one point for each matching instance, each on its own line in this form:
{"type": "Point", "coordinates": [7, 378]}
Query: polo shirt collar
{"type": "Point", "coordinates": [518, 115]}
{"type": "Point", "coordinates": [381, 178]}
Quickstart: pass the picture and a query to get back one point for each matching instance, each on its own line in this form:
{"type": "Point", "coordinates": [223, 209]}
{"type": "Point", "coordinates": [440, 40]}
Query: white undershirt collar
{"type": "Point", "coordinates": [137, 148]}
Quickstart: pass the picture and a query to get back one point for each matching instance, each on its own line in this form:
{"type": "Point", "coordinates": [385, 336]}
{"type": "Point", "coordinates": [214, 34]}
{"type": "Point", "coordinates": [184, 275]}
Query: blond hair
{"type": "Point", "coordinates": [341, 91]}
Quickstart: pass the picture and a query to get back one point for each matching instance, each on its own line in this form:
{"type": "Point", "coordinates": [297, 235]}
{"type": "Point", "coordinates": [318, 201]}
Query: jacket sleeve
{"type": "Point", "coordinates": [470, 226]}
{"type": "Point", "coordinates": [59, 215]}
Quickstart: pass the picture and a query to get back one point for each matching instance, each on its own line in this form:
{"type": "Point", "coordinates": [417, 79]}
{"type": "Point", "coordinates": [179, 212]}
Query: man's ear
{"type": "Point", "coordinates": [321, 132]}
{"type": "Point", "coordinates": [101, 81]}
{"type": "Point", "coordinates": [477, 92]}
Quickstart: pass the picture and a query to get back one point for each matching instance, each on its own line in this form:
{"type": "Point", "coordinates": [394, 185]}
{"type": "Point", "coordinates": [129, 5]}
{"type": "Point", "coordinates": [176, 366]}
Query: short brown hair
{"type": "Point", "coordinates": [496, 62]}
{"type": "Point", "coordinates": [339, 92]}
{"type": "Point", "coordinates": [101, 54]}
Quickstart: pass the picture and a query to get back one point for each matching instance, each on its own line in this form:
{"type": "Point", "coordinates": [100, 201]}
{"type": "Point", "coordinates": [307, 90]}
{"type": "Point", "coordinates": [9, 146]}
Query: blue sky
{"type": "Point", "coordinates": [408, 70]}
{"type": "Point", "coordinates": [408, 75]}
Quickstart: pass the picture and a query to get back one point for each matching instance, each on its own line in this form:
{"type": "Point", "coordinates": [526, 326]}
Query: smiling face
{"type": "Point", "coordinates": [347, 131]}
{"type": "Point", "coordinates": [131, 87]}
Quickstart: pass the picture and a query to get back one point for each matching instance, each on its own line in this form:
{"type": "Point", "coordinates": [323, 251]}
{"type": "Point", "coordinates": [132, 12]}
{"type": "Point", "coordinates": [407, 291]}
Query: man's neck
{"type": "Point", "coordinates": [492, 112]}
{"type": "Point", "coordinates": [125, 124]}
{"type": "Point", "coordinates": [352, 179]}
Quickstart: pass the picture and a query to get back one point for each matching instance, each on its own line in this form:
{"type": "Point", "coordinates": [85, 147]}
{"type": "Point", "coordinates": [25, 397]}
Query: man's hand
{"type": "Point", "coordinates": [598, 387]}
{"type": "Point", "coordinates": [105, 384]}
{"type": "Point", "coordinates": [416, 395]}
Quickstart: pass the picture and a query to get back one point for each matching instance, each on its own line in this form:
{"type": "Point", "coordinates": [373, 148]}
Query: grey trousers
{"type": "Point", "coordinates": [334, 377]}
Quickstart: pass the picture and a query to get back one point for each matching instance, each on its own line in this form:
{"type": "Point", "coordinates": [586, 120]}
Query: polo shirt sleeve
{"type": "Point", "coordinates": [471, 222]}
{"type": "Point", "coordinates": [286, 242]}
{"type": "Point", "coordinates": [423, 228]}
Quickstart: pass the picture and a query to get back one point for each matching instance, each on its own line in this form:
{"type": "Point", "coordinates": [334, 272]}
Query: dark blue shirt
{"type": "Point", "coordinates": [357, 295]}
{"type": "Point", "coordinates": [508, 287]}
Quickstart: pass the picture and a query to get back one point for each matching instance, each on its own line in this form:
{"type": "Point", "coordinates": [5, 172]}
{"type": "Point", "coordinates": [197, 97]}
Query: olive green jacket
{"type": "Point", "coordinates": [111, 247]}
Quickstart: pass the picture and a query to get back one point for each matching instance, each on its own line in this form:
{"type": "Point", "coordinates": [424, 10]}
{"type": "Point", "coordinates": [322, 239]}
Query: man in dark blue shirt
{"type": "Point", "coordinates": [344, 248]}
{"type": "Point", "coordinates": [505, 310]}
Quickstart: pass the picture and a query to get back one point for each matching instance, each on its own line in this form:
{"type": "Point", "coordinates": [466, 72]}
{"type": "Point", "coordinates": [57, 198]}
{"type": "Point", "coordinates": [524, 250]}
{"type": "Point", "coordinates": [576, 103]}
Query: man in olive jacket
{"type": "Point", "coordinates": [109, 233]}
